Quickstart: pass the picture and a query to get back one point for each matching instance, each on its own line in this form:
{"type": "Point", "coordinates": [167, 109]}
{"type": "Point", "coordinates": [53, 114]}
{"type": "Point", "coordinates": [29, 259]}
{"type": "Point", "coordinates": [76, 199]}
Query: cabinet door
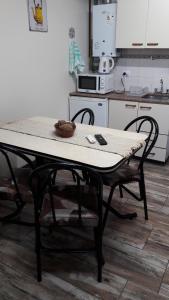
{"type": "Point", "coordinates": [158, 24]}
{"type": "Point", "coordinates": [121, 113]}
{"type": "Point", "coordinates": [131, 23]}
{"type": "Point", "coordinates": [158, 154]}
{"type": "Point", "coordinates": [159, 112]}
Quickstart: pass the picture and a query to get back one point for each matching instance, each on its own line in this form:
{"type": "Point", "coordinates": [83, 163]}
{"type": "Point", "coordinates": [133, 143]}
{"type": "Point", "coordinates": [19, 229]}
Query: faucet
{"type": "Point", "coordinates": [161, 85]}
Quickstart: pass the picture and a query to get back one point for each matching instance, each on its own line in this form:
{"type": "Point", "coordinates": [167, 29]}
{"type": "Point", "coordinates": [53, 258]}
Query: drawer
{"type": "Point", "coordinates": [158, 154]}
{"type": "Point", "coordinates": [162, 141]}
{"type": "Point", "coordinates": [159, 112]}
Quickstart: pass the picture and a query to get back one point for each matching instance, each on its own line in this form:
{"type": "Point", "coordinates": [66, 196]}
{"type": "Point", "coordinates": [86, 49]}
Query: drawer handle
{"type": "Point", "coordinates": [145, 107]}
{"type": "Point", "coordinates": [152, 154]}
{"type": "Point", "coordinates": [137, 44]}
{"type": "Point", "coordinates": [152, 44]}
{"type": "Point", "coordinates": [130, 106]}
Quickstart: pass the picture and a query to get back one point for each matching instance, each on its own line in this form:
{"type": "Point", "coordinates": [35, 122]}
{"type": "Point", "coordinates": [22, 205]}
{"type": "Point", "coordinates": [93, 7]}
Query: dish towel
{"type": "Point", "coordinates": [76, 63]}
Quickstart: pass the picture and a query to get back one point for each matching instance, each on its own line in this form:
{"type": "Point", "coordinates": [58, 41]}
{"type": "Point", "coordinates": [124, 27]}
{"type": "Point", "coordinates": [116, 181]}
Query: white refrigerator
{"type": "Point", "coordinates": [97, 105]}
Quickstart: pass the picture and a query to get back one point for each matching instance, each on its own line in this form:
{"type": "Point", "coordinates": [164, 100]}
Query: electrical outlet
{"type": "Point", "coordinates": [126, 73]}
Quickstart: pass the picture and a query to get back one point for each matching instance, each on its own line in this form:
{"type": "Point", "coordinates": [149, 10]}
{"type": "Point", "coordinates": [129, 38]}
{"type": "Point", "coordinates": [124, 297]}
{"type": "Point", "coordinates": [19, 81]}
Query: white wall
{"type": "Point", "coordinates": [34, 77]}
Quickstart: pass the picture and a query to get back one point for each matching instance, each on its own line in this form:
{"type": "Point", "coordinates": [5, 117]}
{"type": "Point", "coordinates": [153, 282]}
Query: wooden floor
{"type": "Point", "coordinates": [136, 254]}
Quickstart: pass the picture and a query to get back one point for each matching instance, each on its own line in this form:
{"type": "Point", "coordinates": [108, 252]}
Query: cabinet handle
{"type": "Point", "coordinates": [145, 107]}
{"type": "Point", "coordinates": [130, 106]}
{"type": "Point", "coordinates": [152, 44]}
{"type": "Point", "coordinates": [137, 44]}
{"type": "Point", "coordinates": [151, 154]}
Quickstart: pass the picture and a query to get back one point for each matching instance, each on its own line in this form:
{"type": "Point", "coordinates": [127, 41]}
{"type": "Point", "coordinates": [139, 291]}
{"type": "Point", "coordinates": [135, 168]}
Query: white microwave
{"type": "Point", "coordinates": [95, 83]}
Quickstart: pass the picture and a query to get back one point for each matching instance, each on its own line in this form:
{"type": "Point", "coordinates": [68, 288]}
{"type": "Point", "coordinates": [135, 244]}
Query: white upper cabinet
{"type": "Point", "coordinates": [131, 23]}
{"type": "Point", "coordinates": [158, 24]}
{"type": "Point", "coordinates": [142, 24]}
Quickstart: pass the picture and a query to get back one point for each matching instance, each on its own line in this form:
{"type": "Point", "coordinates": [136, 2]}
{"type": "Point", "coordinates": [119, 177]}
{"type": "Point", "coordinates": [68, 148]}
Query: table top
{"type": "Point", "coordinates": [36, 136]}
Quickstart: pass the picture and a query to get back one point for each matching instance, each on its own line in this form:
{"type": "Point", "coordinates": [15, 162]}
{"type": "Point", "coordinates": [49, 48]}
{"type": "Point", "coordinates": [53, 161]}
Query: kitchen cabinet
{"type": "Point", "coordinates": [159, 112]}
{"type": "Point", "coordinates": [142, 24]}
{"type": "Point", "coordinates": [157, 24]}
{"type": "Point", "coordinates": [131, 23]}
{"type": "Point", "coordinates": [120, 114]}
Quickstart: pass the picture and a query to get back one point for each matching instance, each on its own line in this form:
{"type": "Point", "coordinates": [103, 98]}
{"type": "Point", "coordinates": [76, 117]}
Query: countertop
{"type": "Point", "coordinates": [120, 97]}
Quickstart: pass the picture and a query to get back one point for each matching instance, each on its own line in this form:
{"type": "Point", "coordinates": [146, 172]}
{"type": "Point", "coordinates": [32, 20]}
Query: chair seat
{"type": "Point", "coordinates": [124, 174]}
{"type": "Point", "coordinates": [66, 209]}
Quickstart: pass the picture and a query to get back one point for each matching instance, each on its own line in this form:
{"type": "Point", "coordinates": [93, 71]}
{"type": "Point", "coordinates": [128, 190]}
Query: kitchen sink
{"type": "Point", "coordinates": [156, 96]}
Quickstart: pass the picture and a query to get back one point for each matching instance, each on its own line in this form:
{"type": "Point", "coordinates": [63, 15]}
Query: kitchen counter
{"type": "Point", "coordinates": [120, 97]}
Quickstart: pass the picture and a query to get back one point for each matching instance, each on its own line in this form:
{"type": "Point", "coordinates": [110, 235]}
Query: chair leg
{"type": "Point", "coordinates": [74, 177]}
{"type": "Point", "coordinates": [121, 191]}
{"type": "Point", "coordinates": [19, 202]}
{"type": "Point", "coordinates": [143, 196]}
{"type": "Point", "coordinates": [8, 218]}
{"type": "Point", "coordinates": [38, 244]}
{"type": "Point", "coordinates": [38, 259]}
{"type": "Point", "coordinates": [99, 277]}
{"type": "Point", "coordinates": [54, 177]}
{"type": "Point", "coordinates": [99, 255]}
{"type": "Point", "coordinates": [107, 207]}
{"type": "Point", "coordinates": [52, 207]}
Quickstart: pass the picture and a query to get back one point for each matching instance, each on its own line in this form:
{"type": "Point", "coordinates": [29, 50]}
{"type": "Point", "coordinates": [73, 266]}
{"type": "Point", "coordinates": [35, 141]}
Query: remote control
{"type": "Point", "coordinates": [91, 139]}
{"type": "Point", "coordinates": [100, 139]}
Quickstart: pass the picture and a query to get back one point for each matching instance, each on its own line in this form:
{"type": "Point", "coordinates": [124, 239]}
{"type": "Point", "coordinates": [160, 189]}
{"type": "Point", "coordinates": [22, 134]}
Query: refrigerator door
{"type": "Point", "coordinates": [98, 106]}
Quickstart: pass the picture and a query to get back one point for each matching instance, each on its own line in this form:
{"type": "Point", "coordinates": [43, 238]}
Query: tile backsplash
{"type": "Point", "coordinates": [142, 72]}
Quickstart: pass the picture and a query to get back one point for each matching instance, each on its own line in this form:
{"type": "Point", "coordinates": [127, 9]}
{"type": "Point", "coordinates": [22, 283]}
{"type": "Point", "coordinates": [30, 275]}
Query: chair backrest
{"type": "Point", "coordinates": [82, 113]}
{"type": "Point", "coordinates": [19, 177]}
{"type": "Point", "coordinates": [149, 126]}
{"type": "Point", "coordinates": [5, 150]}
{"type": "Point", "coordinates": [45, 183]}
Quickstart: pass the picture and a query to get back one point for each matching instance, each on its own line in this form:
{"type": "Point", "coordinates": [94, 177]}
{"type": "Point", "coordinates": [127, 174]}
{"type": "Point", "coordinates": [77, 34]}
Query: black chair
{"type": "Point", "coordinates": [85, 112]}
{"type": "Point", "coordinates": [130, 172]}
{"type": "Point", "coordinates": [15, 189]}
{"type": "Point", "coordinates": [65, 202]}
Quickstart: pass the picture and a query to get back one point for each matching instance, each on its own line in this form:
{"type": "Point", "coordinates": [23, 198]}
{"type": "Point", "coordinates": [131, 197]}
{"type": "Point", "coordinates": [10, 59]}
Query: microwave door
{"type": "Point", "coordinates": [88, 84]}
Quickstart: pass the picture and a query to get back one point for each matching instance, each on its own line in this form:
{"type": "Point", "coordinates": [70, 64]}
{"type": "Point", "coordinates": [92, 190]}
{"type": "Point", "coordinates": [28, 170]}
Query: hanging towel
{"type": "Point", "coordinates": [76, 63]}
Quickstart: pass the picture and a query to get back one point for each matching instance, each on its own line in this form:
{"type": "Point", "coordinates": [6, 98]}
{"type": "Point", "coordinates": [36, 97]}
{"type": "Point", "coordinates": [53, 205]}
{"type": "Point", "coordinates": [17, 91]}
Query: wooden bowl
{"type": "Point", "coordinates": [65, 129]}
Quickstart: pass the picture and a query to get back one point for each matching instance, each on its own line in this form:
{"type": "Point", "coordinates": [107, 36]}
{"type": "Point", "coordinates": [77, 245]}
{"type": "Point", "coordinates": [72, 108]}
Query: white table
{"type": "Point", "coordinates": [36, 136]}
